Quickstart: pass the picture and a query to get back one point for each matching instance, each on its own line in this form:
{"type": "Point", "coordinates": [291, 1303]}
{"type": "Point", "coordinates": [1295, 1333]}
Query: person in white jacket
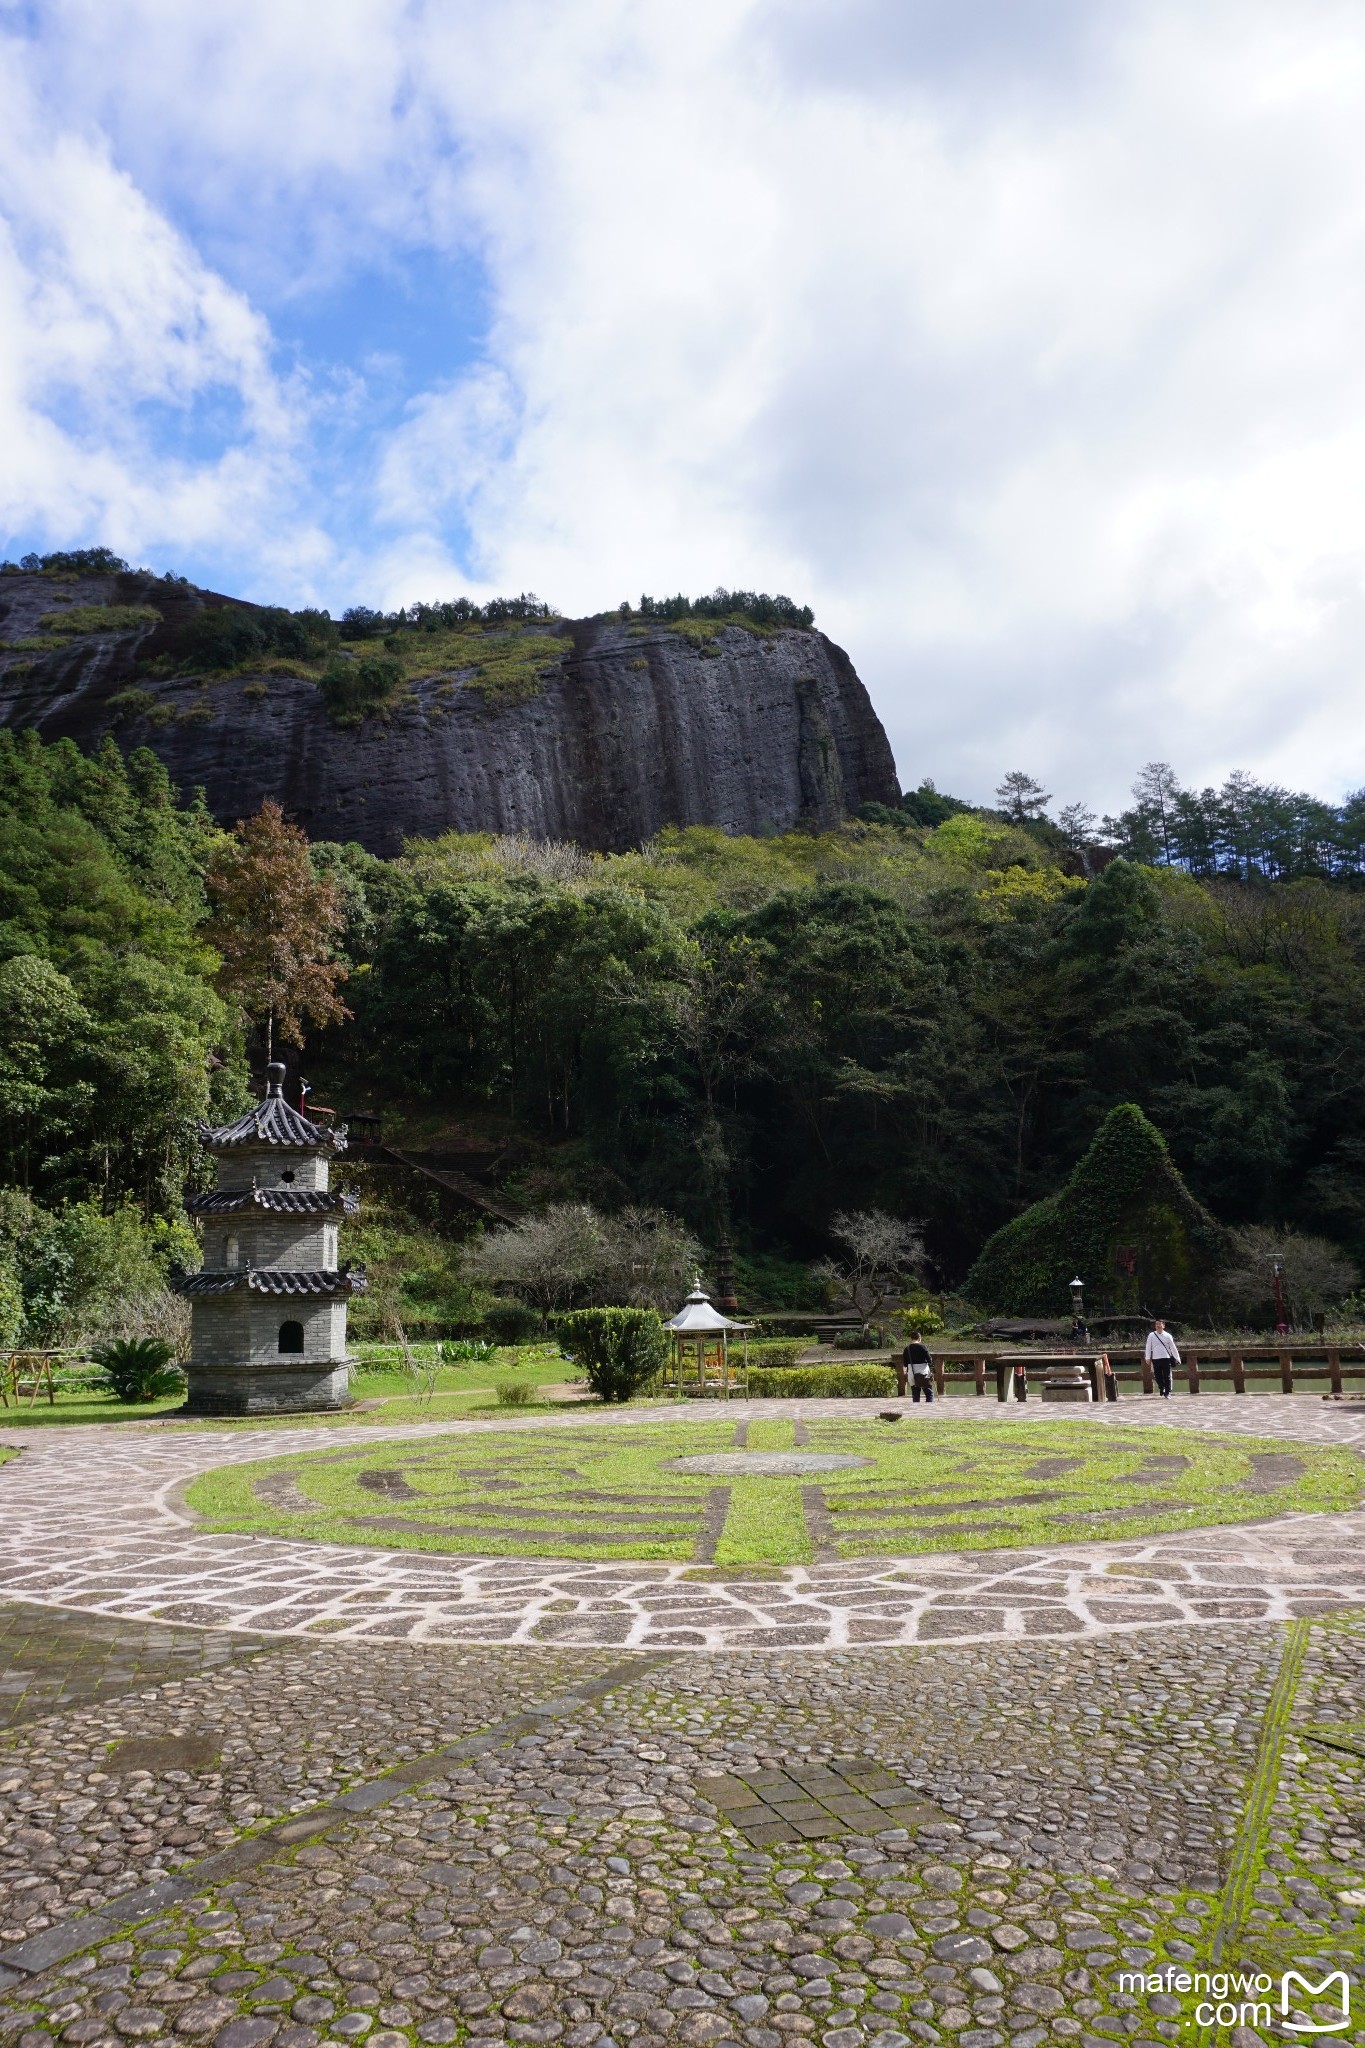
{"type": "Point", "coordinates": [1161, 1353]}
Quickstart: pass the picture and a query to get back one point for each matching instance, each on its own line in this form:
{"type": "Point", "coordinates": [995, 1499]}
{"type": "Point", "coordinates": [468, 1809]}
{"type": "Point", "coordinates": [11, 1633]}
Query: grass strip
{"type": "Point", "coordinates": [770, 1433]}
{"type": "Point", "coordinates": [766, 1523]}
{"type": "Point", "coordinates": [1249, 1853]}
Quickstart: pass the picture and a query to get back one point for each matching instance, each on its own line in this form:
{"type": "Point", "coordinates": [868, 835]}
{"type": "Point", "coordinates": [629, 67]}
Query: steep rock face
{"type": "Point", "coordinates": [636, 728]}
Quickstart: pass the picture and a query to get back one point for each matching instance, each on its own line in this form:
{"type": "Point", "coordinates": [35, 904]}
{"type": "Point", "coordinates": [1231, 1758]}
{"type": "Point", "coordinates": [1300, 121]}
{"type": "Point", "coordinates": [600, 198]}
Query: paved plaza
{"type": "Point", "coordinates": [256, 1792]}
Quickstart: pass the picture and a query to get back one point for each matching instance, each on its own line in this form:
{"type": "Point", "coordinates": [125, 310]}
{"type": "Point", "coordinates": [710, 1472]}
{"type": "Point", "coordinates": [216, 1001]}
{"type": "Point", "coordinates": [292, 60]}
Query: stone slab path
{"type": "Point", "coordinates": [94, 1521]}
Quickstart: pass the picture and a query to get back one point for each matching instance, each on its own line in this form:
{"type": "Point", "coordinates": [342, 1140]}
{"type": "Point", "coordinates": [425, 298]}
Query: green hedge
{"type": "Point", "coordinates": [823, 1382]}
{"type": "Point", "coordinates": [774, 1351]}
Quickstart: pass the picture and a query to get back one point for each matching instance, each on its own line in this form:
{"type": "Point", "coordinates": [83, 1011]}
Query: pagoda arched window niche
{"type": "Point", "coordinates": [291, 1337]}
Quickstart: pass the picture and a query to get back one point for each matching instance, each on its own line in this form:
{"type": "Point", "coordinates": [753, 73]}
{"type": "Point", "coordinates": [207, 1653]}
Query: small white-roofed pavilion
{"type": "Point", "coordinates": [701, 1346]}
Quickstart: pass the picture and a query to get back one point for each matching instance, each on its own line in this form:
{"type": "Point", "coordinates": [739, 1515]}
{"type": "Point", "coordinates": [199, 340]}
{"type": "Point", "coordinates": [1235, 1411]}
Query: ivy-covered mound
{"type": "Point", "coordinates": [1125, 1222]}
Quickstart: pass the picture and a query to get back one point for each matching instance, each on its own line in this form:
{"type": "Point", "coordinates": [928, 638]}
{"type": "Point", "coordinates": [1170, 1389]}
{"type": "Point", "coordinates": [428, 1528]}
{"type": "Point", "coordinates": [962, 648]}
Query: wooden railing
{"type": "Point", "coordinates": [1308, 1368]}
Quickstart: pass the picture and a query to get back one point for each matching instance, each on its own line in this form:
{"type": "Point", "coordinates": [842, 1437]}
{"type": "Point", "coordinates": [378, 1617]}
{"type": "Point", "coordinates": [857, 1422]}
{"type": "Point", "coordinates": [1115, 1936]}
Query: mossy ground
{"type": "Point", "coordinates": [608, 1493]}
{"type": "Point", "coordinates": [505, 663]}
{"type": "Point", "coordinates": [56, 629]}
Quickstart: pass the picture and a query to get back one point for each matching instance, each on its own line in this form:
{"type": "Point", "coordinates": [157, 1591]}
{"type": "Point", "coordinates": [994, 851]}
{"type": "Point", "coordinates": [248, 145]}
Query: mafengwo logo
{"type": "Point", "coordinates": [1250, 1998]}
{"type": "Point", "coordinates": [1336, 1982]}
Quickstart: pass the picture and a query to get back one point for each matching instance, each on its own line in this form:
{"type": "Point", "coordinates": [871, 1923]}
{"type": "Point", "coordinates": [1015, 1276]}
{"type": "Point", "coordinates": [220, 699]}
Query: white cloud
{"type": "Point", "coordinates": [1022, 341]}
{"type": "Point", "coordinates": [111, 331]}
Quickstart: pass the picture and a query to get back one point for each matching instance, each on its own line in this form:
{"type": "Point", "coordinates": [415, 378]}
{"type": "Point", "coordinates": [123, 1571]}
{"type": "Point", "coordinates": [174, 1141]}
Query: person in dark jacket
{"type": "Point", "coordinates": [920, 1366]}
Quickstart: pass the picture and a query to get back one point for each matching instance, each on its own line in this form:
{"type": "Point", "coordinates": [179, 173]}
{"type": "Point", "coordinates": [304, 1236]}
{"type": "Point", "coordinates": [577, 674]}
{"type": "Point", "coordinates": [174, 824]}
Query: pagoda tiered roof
{"type": "Point", "coordinates": [278, 1201]}
{"type": "Point", "coordinates": [216, 1280]}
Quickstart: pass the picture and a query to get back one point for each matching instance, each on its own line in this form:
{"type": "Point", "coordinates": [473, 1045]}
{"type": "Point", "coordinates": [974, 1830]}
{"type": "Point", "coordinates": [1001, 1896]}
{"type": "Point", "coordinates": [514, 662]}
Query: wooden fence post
{"type": "Point", "coordinates": [1286, 1372]}
{"type": "Point", "coordinates": [1192, 1371]}
{"type": "Point", "coordinates": [980, 1364]}
{"type": "Point", "coordinates": [1239, 1373]}
{"type": "Point", "coordinates": [1334, 1368]}
{"type": "Point", "coordinates": [1148, 1383]}
{"type": "Point", "coordinates": [937, 1369]}
{"type": "Point", "coordinates": [1000, 1377]}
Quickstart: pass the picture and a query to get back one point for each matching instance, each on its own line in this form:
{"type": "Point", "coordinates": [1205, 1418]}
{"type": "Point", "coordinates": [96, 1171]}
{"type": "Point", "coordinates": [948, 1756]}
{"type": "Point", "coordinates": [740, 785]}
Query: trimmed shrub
{"type": "Point", "coordinates": [778, 1352]}
{"type": "Point", "coordinates": [619, 1349]}
{"type": "Point", "coordinates": [511, 1322]}
{"type": "Point", "coordinates": [514, 1393]}
{"type": "Point", "coordinates": [874, 1339]}
{"type": "Point", "coordinates": [138, 1368]}
{"type": "Point", "coordinates": [823, 1382]}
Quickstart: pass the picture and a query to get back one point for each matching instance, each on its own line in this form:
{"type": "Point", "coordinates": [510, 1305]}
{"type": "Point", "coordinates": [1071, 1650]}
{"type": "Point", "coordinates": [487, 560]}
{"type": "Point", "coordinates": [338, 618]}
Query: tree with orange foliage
{"type": "Point", "coordinates": [273, 925]}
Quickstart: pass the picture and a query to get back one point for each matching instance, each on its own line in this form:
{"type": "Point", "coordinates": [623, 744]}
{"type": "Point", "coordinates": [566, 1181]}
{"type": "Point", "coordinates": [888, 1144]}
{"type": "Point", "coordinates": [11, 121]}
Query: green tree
{"type": "Point", "coordinates": [108, 1016]}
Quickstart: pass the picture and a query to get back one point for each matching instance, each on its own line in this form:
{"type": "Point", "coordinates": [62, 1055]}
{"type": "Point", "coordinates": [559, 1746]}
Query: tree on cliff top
{"type": "Point", "coordinates": [1124, 1221]}
{"type": "Point", "coordinates": [274, 924]}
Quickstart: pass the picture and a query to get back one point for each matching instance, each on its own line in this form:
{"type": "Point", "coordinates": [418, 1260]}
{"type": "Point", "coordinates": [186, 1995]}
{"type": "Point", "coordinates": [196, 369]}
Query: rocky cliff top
{"type": "Point", "coordinates": [599, 730]}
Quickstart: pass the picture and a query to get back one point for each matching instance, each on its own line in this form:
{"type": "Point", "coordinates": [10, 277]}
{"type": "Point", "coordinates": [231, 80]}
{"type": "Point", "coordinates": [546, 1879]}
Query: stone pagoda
{"type": "Point", "coordinates": [269, 1302]}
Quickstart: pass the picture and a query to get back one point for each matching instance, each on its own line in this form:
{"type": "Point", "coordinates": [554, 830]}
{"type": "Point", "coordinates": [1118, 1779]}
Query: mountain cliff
{"type": "Point", "coordinates": [600, 730]}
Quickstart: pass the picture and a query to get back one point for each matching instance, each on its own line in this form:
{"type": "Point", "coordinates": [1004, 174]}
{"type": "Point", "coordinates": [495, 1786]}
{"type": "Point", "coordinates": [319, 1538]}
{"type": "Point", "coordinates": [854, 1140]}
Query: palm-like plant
{"type": "Point", "coordinates": [138, 1368]}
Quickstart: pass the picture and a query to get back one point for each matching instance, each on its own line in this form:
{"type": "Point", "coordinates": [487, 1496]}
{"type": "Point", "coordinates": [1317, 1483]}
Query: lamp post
{"type": "Point", "coordinates": [1281, 1320]}
{"type": "Point", "coordinates": [1079, 1332]}
{"type": "Point", "coordinates": [1066, 1378]}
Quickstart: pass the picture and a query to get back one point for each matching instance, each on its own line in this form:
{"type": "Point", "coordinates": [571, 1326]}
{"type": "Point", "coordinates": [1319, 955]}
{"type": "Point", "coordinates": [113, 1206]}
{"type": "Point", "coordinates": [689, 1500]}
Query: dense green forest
{"type": "Point", "coordinates": [933, 1021]}
{"type": "Point", "coordinates": [928, 1012]}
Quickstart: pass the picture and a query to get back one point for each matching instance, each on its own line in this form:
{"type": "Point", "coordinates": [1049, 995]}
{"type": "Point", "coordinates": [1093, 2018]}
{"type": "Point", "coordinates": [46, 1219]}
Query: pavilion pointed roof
{"type": "Point", "coordinates": [699, 1317]}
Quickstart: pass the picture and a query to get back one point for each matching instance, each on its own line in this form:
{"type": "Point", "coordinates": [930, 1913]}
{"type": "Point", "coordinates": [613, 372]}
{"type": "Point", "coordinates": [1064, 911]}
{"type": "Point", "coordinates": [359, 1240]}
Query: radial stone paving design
{"type": "Point", "coordinates": [93, 1522]}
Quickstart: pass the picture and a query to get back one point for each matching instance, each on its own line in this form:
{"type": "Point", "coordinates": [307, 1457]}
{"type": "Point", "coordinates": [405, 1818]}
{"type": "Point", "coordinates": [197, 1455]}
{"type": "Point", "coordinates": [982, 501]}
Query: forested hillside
{"type": "Point", "coordinates": [931, 1018]}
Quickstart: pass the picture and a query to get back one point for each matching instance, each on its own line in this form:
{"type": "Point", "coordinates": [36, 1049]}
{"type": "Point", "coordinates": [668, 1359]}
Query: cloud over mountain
{"type": "Point", "coordinates": [1022, 341]}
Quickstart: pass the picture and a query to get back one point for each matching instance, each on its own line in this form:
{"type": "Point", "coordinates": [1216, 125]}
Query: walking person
{"type": "Point", "coordinates": [1109, 1386]}
{"type": "Point", "coordinates": [1021, 1381]}
{"type": "Point", "coordinates": [921, 1368]}
{"type": "Point", "coordinates": [1161, 1352]}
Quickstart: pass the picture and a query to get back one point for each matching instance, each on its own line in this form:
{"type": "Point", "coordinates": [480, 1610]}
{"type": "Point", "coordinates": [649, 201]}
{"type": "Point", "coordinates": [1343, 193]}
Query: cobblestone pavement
{"type": "Point", "coordinates": [48, 1658]}
{"type": "Point", "coordinates": [1140, 1804]}
{"type": "Point", "coordinates": [112, 1537]}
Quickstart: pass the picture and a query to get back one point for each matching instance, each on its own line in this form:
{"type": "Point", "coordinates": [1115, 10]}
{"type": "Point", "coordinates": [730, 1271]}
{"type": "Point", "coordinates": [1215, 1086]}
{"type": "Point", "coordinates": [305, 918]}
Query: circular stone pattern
{"type": "Point", "coordinates": [765, 1464]}
{"type": "Point", "coordinates": [684, 1490]}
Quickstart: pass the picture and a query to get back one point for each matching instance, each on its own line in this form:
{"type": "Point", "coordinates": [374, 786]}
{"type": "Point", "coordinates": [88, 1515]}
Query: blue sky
{"type": "Point", "coordinates": [1021, 338]}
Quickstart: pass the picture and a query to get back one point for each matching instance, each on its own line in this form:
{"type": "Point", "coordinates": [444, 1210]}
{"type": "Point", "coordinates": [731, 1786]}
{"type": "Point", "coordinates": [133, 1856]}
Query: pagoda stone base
{"type": "Point", "coordinates": [299, 1388]}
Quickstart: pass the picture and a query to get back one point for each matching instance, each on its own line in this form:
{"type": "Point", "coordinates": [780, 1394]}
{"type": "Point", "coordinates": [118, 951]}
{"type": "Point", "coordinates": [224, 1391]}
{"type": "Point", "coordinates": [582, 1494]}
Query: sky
{"type": "Point", "coordinates": [1022, 339]}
